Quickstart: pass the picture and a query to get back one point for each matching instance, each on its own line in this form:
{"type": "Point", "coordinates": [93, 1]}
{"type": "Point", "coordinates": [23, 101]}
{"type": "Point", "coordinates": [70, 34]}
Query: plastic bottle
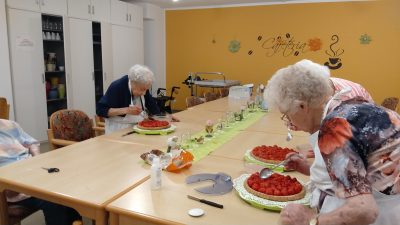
{"type": "Point", "coordinates": [156, 174]}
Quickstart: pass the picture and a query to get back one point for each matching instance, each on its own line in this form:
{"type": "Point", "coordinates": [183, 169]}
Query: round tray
{"type": "Point", "coordinates": [249, 158]}
{"type": "Point", "coordinates": [262, 203]}
{"type": "Point", "coordinates": [155, 132]}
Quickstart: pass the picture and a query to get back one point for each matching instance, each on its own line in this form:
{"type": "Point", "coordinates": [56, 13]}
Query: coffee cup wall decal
{"type": "Point", "coordinates": [334, 61]}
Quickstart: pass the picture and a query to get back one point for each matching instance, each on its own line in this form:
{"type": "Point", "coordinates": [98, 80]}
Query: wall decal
{"type": "Point", "coordinates": [365, 39]}
{"type": "Point", "coordinates": [259, 38]}
{"type": "Point", "coordinates": [250, 52]}
{"type": "Point", "coordinates": [314, 44]}
{"type": "Point", "coordinates": [213, 40]}
{"type": "Point", "coordinates": [334, 61]}
{"type": "Point", "coordinates": [286, 45]}
{"type": "Point", "coordinates": [234, 46]}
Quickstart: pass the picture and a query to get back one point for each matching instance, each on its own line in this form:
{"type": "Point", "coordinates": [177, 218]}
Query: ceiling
{"type": "Point", "coordinates": [219, 3]}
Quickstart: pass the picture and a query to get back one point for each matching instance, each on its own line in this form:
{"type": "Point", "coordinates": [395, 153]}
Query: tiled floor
{"type": "Point", "coordinates": [37, 218]}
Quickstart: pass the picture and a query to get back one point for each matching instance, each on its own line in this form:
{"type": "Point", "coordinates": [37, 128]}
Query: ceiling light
{"type": "Point", "coordinates": [175, 0]}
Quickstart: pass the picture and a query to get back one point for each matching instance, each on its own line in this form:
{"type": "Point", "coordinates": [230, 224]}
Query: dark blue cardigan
{"type": "Point", "coordinates": [118, 96]}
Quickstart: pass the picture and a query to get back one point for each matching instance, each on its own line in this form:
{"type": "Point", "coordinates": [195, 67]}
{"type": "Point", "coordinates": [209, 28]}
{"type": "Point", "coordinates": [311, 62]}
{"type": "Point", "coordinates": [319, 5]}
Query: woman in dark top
{"type": "Point", "coordinates": [127, 99]}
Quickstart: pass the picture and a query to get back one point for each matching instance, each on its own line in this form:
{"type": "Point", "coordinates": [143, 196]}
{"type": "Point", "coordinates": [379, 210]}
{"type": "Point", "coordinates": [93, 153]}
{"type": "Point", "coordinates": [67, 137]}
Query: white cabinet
{"type": "Point", "coordinates": [119, 13]}
{"type": "Point", "coordinates": [79, 9]}
{"type": "Point", "coordinates": [26, 51]}
{"type": "Point", "coordinates": [127, 47]}
{"type": "Point", "coordinates": [97, 10]}
{"type": "Point", "coordinates": [33, 5]}
{"type": "Point", "coordinates": [91, 63]}
{"type": "Point", "coordinates": [107, 58]}
{"type": "Point", "coordinates": [126, 14]}
{"type": "Point", "coordinates": [101, 10]}
{"type": "Point", "coordinates": [82, 68]}
{"type": "Point", "coordinates": [57, 7]}
{"type": "Point", "coordinates": [135, 16]}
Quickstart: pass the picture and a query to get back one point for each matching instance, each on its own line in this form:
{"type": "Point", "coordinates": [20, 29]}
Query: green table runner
{"type": "Point", "coordinates": [200, 151]}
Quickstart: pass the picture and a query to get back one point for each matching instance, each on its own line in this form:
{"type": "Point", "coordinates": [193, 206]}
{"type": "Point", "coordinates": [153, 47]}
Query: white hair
{"type": "Point", "coordinates": [302, 82]}
{"type": "Point", "coordinates": [141, 74]}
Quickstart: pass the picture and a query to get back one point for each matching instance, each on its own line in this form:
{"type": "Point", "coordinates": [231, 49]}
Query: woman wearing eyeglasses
{"type": "Point", "coordinates": [358, 141]}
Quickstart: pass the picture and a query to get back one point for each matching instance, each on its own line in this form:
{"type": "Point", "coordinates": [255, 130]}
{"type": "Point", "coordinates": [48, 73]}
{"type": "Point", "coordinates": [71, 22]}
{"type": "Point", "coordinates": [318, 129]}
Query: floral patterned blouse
{"type": "Point", "coordinates": [360, 143]}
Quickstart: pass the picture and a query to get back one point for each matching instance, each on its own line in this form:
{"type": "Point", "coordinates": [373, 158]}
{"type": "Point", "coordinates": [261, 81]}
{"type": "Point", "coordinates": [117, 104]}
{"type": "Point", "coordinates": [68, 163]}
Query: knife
{"type": "Point", "coordinates": [206, 202]}
{"type": "Point", "coordinates": [130, 132]}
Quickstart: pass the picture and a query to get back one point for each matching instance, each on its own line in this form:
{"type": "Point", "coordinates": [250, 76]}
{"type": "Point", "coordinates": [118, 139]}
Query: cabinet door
{"type": "Point", "coordinates": [135, 14]}
{"type": "Point", "coordinates": [26, 48]}
{"type": "Point", "coordinates": [33, 5]}
{"type": "Point", "coordinates": [123, 50]}
{"type": "Point", "coordinates": [106, 51]}
{"type": "Point", "coordinates": [119, 13]}
{"type": "Point", "coordinates": [79, 9]}
{"type": "Point", "coordinates": [101, 10]}
{"type": "Point", "coordinates": [82, 68]}
{"type": "Point", "coordinates": [138, 48]}
{"type": "Point", "coordinates": [56, 7]}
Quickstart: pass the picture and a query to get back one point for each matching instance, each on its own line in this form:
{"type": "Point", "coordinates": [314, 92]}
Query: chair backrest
{"type": "Point", "coordinates": [223, 92]}
{"type": "Point", "coordinates": [390, 103]}
{"type": "Point", "coordinates": [4, 109]}
{"type": "Point", "coordinates": [99, 121]}
{"type": "Point", "coordinates": [210, 96]}
{"type": "Point", "coordinates": [193, 100]}
{"type": "Point", "coordinates": [71, 125]}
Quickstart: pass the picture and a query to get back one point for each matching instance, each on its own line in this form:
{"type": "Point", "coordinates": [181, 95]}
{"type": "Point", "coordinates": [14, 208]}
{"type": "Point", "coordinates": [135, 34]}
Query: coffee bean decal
{"type": "Point", "coordinates": [250, 52]}
{"type": "Point", "coordinates": [287, 35]}
{"type": "Point", "coordinates": [259, 38]}
{"type": "Point", "coordinates": [296, 53]}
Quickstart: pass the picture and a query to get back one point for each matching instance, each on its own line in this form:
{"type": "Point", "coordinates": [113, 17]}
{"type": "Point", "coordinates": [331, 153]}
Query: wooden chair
{"type": "Point", "coordinates": [4, 109]}
{"type": "Point", "coordinates": [193, 100]}
{"type": "Point", "coordinates": [223, 92]}
{"type": "Point", "coordinates": [68, 127]}
{"type": "Point", "coordinates": [99, 125]}
{"type": "Point", "coordinates": [210, 96]}
{"type": "Point", "coordinates": [390, 103]}
{"type": "Point", "coordinates": [12, 214]}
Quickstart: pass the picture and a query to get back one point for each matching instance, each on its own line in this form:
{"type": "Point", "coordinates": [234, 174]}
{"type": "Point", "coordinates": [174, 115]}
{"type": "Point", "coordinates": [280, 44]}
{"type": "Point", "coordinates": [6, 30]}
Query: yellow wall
{"type": "Point", "coordinates": [190, 47]}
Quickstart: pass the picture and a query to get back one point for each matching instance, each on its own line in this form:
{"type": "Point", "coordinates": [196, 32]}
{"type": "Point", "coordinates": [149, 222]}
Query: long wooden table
{"type": "Point", "coordinates": [92, 174]}
{"type": "Point", "coordinates": [107, 172]}
{"type": "Point", "coordinates": [170, 205]}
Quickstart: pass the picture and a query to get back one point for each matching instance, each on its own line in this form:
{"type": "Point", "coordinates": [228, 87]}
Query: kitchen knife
{"type": "Point", "coordinates": [206, 202]}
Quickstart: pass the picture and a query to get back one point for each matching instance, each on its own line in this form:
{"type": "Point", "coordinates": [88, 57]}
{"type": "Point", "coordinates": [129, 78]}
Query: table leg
{"type": "Point", "coordinates": [114, 219]}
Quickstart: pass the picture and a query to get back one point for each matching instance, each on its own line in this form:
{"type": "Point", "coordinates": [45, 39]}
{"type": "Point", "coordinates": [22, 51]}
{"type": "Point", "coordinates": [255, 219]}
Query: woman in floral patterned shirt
{"type": "Point", "coordinates": [359, 142]}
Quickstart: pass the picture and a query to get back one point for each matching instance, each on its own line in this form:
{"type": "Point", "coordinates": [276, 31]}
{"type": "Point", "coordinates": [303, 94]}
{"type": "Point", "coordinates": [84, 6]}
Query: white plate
{"type": "Point", "coordinates": [196, 212]}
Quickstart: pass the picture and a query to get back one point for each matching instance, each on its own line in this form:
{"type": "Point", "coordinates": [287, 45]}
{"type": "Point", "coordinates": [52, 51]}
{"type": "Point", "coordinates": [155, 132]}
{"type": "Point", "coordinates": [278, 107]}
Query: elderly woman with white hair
{"type": "Point", "coordinates": [128, 99]}
{"type": "Point", "coordinates": [358, 141]}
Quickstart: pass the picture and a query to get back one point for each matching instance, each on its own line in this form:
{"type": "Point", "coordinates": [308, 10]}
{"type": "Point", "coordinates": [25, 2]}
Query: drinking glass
{"type": "Point", "coordinates": [186, 138]}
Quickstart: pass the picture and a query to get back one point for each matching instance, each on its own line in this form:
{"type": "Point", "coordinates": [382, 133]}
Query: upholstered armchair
{"type": "Point", "coordinates": [68, 127]}
{"type": "Point", "coordinates": [210, 96]}
{"type": "Point", "coordinates": [193, 100]}
{"type": "Point", "coordinates": [4, 109]}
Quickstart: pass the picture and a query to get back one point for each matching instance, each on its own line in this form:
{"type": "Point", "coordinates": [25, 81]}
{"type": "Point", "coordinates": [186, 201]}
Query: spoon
{"type": "Point", "coordinates": [267, 172]}
{"type": "Point", "coordinates": [289, 136]}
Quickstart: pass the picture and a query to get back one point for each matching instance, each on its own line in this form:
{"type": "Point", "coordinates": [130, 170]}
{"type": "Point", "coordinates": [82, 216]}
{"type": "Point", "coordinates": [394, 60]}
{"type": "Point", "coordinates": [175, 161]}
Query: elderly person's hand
{"type": "Point", "coordinates": [297, 214]}
{"type": "Point", "coordinates": [133, 110]}
{"type": "Point", "coordinates": [297, 162]}
{"type": "Point", "coordinates": [174, 119]}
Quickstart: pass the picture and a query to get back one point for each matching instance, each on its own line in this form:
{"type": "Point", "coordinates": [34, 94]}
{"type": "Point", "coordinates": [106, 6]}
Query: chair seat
{"type": "Point", "coordinates": [17, 213]}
